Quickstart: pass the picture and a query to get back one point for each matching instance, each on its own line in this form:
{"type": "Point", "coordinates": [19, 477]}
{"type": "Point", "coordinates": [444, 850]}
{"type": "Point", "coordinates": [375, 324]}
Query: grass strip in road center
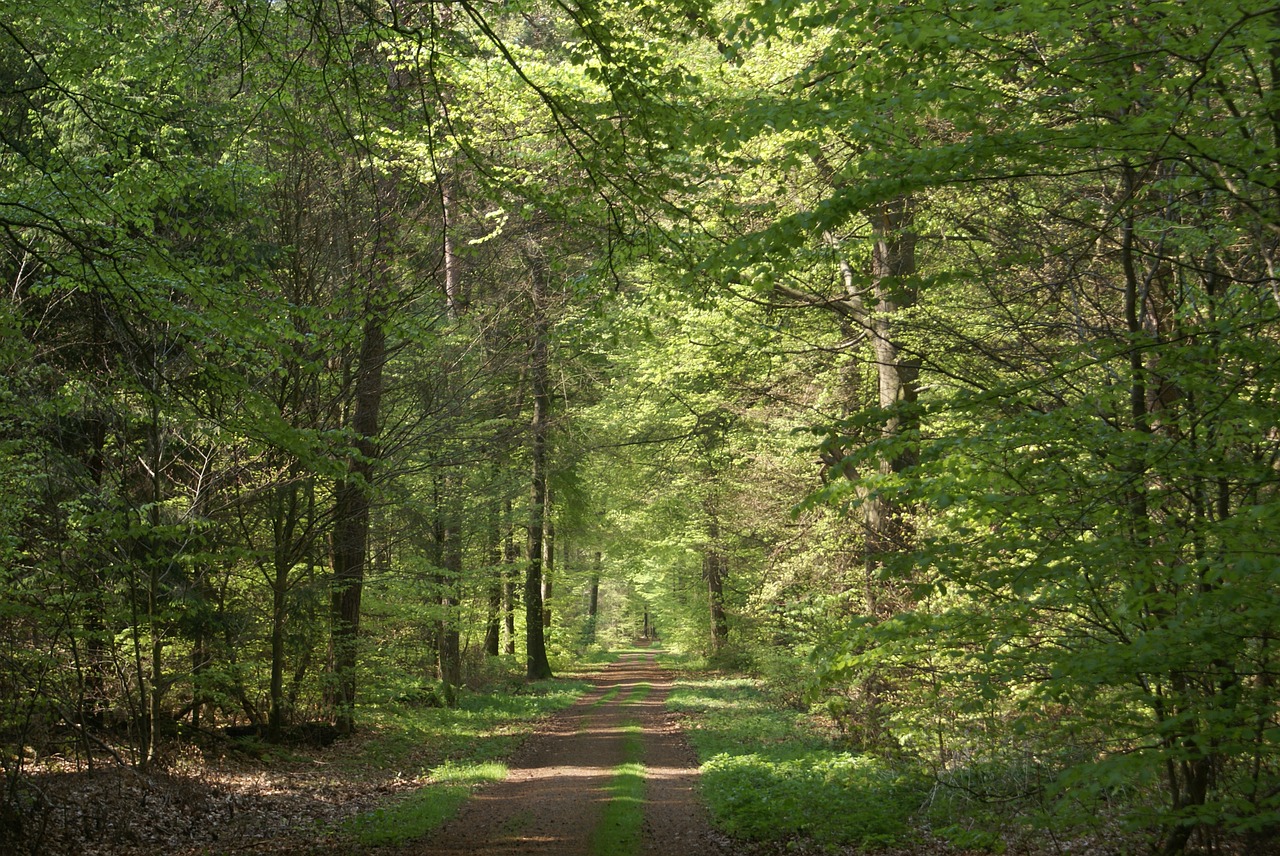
{"type": "Point", "coordinates": [618, 833]}
{"type": "Point", "coordinates": [608, 696]}
{"type": "Point", "coordinates": [621, 822]}
{"type": "Point", "coordinates": [638, 694]}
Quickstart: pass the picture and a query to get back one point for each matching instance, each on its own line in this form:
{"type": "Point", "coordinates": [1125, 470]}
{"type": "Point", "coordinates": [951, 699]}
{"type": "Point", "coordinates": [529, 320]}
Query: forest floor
{"type": "Point", "coordinates": [208, 795]}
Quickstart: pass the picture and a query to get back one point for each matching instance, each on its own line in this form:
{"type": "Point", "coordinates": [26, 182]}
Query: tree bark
{"type": "Point", "coordinates": [510, 575]}
{"type": "Point", "coordinates": [539, 372]}
{"type": "Point", "coordinates": [893, 261]}
{"type": "Point", "coordinates": [713, 571]}
{"type": "Point", "coordinates": [593, 603]}
{"type": "Point", "coordinates": [452, 275]}
{"type": "Point", "coordinates": [288, 507]}
{"type": "Point", "coordinates": [450, 636]}
{"type": "Point", "coordinates": [276, 712]}
{"type": "Point", "coordinates": [493, 621]}
{"type": "Point", "coordinates": [593, 600]}
{"type": "Point", "coordinates": [352, 501]}
{"type": "Point", "coordinates": [548, 561]}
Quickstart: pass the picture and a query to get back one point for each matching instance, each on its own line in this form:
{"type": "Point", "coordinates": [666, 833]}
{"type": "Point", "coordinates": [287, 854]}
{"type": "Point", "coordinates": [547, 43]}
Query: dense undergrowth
{"type": "Point", "coordinates": [780, 771]}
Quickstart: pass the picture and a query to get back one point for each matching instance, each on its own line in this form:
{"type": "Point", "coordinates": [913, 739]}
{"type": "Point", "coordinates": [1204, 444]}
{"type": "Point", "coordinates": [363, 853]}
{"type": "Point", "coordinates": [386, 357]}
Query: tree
{"type": "Point", "coordinates": [537, 666]}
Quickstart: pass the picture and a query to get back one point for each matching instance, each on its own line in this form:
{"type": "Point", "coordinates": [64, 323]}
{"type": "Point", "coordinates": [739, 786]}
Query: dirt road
{"type": "Point", "coordinates": [555, 799]}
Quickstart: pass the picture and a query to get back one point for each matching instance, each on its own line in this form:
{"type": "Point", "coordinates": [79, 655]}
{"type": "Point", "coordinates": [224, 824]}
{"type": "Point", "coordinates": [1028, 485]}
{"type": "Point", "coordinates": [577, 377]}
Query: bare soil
{"type": "Point", "coordinates": [552, 800]}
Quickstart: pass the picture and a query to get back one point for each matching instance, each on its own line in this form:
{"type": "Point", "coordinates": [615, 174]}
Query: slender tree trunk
{"type": "Point", "coordinates": [715, 593]}
{"type": "Point", "coordinates": [510, 575]}
{"type": "Point", "coordinates": [493, 627]}
{"type": "Point", "coordinates": [713, 570]}
{"type": "Point", "coordinates": [450, 654]}
{"type": "Point", "coordinates": [353, 495]}
{"type": "Point", "coordinates": [593, 603]}
{"type": "Point", "coordinates": [295, 682]}
{"type": "Point", "coordinates": [452, 277]}
{"type": "Point", "coordinates": [158, 554]}
{"type": "Point", "coordinates": [539, 372]}
{"type": "Point", "coordinates": [199, 665]}
{"type": "Point", "coordinates": [886, 531]}
{"type": "Point", "coordinates": [493, 622]}
{"type": "Point", "coordinates": [593, 599]}
{"type": "Point", "coordinates": [286, 513]}
{"type": "Point", "coordinates": [96, 650]}
{"type": "Point", "coordinates": [435, 557]}
{"type": "Point", "coordinates": [450, 636]}
{"type": "Point", "coordinates": [275, 714]}
{"type": "Point", "coordinates": [548, 561]}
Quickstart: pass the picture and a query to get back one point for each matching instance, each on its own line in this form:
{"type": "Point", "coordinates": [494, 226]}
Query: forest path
{"type": "Point", "coordinates": [555, 799]}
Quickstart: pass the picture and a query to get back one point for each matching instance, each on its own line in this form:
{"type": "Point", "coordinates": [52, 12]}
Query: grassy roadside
{"type": "Point", "coordinates": [440, 754]}
{"type": "Point", "coordinates": [768, 774]}
{"type": "Point", "coordinates": [426, 808]}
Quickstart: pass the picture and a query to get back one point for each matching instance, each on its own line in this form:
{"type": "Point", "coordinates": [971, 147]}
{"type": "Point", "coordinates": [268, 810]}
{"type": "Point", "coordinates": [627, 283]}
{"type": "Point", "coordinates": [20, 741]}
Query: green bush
{"type": "Point", "coordinates": [830, 797]}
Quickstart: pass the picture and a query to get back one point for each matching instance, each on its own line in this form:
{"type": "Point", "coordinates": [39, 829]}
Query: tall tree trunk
{"type": "Point", "coordinates": [884, 527]}
{"type": "Point", "coordinates": [94, 695]}
{"type": "Point", "coordinates": [352, 501]}
{"type": "Point", "coordinates": [593, 599]}
{"type": "Point", "coordinates": [493, 622]}
{"type": "Point", "coordinates": [713, 570]}
{"type": "Point", "coordinates": [893, 263]}
{"type": "Point", "coordinates": [450, 636]}
{"type": "Point", "coordinates": [435, 557]}
{"type": "Point", "coordinates": [715, 594]}
{"type": "Point", "coordinates": [540, 379]}
{"type": "Point", "coordinates": [510, 576]}
{"type": "Point", "coordinates": [286, 510]}
{"type": "Point", "coordinates": [452, 277]}
{"type": "Point", "coordinates": [158, 556]}
{"type": "Point", "coordinates": [275, 713]}
{"type": "Point", "coordinates": [593, 602]}
{"type": "Point", "coordinates": [548, 561]}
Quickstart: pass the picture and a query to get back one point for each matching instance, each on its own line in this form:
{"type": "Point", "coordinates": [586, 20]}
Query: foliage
{"type": "Point", "coordinates": [1084, 312]}
{"type": "Point", "coordinates": [920, 357]}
